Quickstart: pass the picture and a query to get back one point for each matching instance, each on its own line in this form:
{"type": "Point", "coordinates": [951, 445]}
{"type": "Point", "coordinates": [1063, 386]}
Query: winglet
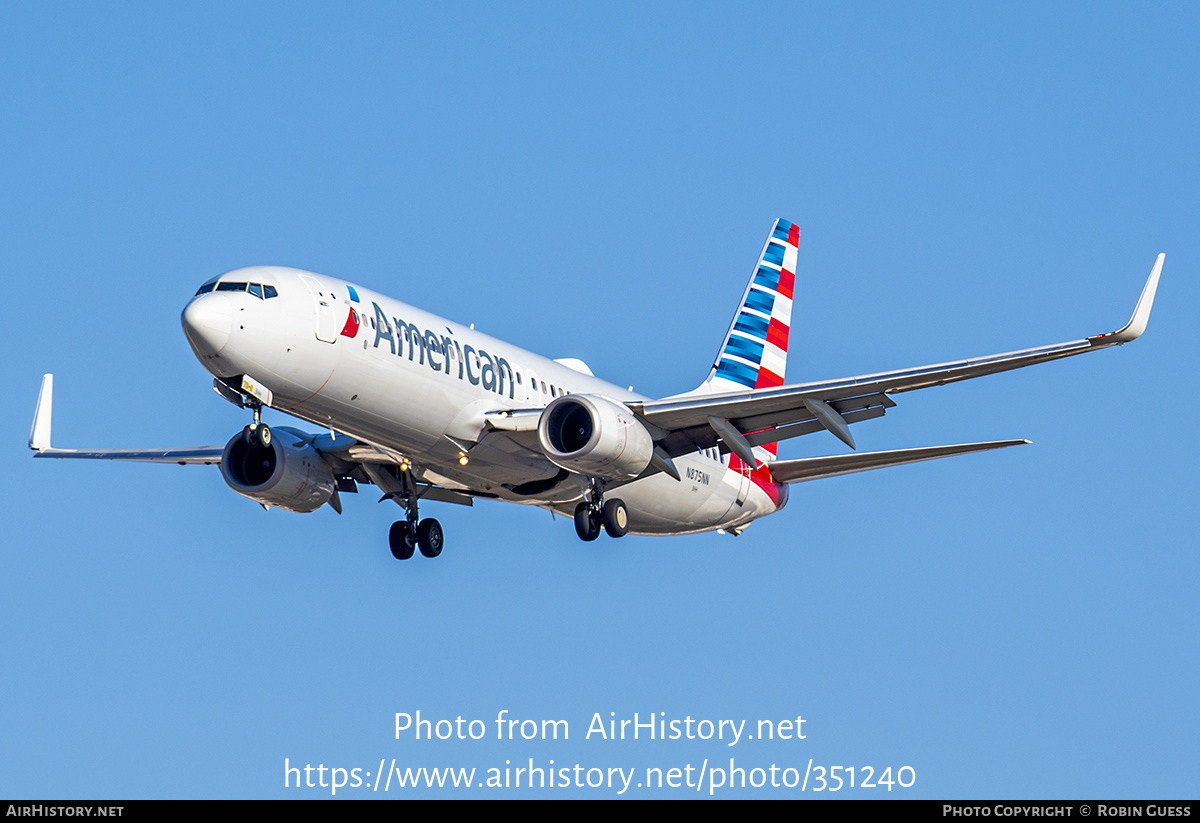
{"type": "Point", "coordinates": [1141, 313]}
{"type": "Point", "coordinates": [39, 433]}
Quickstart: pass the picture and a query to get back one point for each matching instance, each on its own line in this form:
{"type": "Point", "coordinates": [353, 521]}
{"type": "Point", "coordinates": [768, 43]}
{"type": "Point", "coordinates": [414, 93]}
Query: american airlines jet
{"type": "Point", "coordinates": [426, 409]}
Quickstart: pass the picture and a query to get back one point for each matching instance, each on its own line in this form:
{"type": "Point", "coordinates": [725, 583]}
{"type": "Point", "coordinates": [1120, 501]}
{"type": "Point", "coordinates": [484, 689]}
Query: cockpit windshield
{"type": "Point", "coordinates": [260, 290]}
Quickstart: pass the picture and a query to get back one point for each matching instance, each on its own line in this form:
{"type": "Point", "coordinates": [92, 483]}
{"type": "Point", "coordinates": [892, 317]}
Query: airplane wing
{"type": "Point", "coordinates": [376, 464]}
{"type": "Point", "coordinates": [39, 441]}
{"type": "Point", "coordinates": [741, 420]}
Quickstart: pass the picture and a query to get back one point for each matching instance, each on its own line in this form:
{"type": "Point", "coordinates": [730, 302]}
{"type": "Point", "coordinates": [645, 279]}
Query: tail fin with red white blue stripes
{"type": "Point", "coordinates": [753, 354]}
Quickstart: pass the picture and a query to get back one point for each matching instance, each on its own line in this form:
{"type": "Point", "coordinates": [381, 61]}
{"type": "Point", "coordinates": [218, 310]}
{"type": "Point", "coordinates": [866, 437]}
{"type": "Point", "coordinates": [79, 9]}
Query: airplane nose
{"type": "Point", "coordinates": [207, 322]}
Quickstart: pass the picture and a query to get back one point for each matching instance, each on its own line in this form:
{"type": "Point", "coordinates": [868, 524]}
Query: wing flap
{"type": "Point", "coordinates": [672, 413]}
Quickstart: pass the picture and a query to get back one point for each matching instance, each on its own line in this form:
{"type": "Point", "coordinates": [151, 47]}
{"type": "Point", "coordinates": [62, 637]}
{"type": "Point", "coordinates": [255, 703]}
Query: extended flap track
{"type": "Point", "coordinates": [773, 427]}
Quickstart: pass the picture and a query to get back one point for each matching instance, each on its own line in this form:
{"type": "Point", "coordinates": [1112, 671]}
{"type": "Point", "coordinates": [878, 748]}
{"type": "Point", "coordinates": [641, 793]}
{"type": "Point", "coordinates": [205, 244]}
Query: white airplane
{"type": "Point", "coordinates": [427, 409]}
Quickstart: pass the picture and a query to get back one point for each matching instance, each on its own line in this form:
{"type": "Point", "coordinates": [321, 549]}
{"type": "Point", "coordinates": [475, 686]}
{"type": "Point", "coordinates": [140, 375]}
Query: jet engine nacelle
{"type": "Point", "coordinates": [288, 474]}
{"type": "Point", "coordinates": [594, 436]}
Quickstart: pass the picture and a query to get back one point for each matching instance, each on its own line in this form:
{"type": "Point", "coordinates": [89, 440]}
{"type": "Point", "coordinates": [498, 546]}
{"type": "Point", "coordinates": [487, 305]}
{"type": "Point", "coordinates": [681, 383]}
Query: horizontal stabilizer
{"type": "Point", "coordinates": [815, 468]}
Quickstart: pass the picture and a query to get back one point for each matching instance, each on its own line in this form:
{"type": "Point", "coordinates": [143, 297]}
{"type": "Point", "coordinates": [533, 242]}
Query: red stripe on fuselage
{"type": "Point", "coordinates": [761, 476]}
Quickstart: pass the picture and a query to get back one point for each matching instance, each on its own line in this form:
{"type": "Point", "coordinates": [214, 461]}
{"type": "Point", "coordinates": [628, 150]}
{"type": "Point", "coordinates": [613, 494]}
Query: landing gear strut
{"type": "Point", "coordinates": [413, 533]}
{"type": "Point", "coordinates": [595, 512]}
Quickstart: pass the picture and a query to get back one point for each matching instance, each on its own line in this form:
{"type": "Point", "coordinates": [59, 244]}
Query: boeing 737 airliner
{"type": "Point", "coordinates": [426, 409]}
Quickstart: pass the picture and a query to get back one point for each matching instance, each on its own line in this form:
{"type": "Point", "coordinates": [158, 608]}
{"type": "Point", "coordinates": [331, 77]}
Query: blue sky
{"type": "Point", "coordinates": [595, 182]}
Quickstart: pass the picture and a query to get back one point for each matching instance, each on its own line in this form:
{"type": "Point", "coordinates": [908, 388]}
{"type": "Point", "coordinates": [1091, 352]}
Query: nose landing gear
{"type": "Point", "coordinates": [257, 433]}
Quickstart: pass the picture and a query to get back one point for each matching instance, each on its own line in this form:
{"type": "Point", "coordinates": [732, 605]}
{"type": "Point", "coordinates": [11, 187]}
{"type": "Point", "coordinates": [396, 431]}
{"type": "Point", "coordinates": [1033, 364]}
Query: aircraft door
{"type": "Point", "coordinates": [327, 325]}
{"type": "Point", "coordinates": [519, 379]}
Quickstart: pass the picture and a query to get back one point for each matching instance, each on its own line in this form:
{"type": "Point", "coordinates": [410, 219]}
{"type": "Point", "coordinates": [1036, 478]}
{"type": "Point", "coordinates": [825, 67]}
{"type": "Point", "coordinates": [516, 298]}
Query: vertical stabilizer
{"type": "Point", "coordinates": [753, 354]}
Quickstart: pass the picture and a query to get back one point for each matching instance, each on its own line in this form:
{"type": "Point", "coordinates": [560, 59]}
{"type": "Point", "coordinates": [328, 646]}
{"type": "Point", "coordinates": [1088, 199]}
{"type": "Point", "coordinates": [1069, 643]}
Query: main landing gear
{"type": "Point", "coordinates": [595, 512]}
{"type": "Point", "coordinates": [411, 533]}
{"type": "Point", "coordinates": [427, 536]}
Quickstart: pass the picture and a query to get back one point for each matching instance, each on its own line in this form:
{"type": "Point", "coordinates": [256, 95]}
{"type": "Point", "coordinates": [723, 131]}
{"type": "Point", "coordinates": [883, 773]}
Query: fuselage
{"type": "Point", "coordinates": [391, 375]}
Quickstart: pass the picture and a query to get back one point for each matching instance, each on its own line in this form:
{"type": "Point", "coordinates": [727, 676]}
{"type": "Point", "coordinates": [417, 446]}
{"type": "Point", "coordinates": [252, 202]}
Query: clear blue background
{"type": "Point", "coordinates": [594, 182]}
